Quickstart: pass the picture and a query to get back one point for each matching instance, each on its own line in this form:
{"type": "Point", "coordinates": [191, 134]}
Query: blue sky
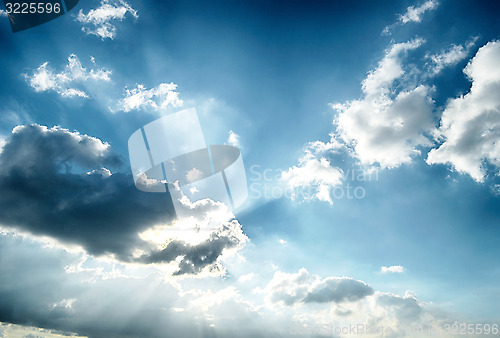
{"type": "Point", "coordinates": [370, 137]}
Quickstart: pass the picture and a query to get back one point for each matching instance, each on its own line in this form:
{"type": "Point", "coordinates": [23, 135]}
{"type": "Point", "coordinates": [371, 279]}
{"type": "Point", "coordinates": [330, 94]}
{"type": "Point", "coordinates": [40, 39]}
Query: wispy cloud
{"type": "Point", "coordinates": [412, 14]}
{"type": "Point", "coordinates": [45, 79]}
{"type": "Point", "coordinates": [449, 57]}
{"type": "Point", "coordinates": [156, 98]}
{"type": "Point", "coordinates": [247, 277]}
{"type": "Point", "coordinates": [392, 269]}
{"type": "Point", "coordinates": [2, 143]}
{"type": "Point", "coordinates": [100, 21]}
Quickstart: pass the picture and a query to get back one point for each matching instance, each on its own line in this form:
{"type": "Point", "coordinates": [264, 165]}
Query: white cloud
{"type": "Point", "coordinates": [45, 79]}
{"type": "Point", "coordinates": [83, 148]}
{"type": "Point", "coordinates": [99, 21]}
{"type": "Point", "coordinates": [450, 56]}
{"type": "Point", "coordinates": [302, 287]}
{"type": "Point", "coordinates": [2, 143]}
{"type": "Point", "coordinates": [392, 269]}
{"type": "Point", "coordinates": [387, 125]}
{"type": "Point", "coordinates": [194, 175]}
{"type": "Point", "coordinates": [470, 124]}
{"type": "Point", "coordinates": [104, 172]}
{"type": "Point", "coordinates": [414, 14]}
{"type": "Point", "coordinates": [79, 293]}
{"type": "Point", "coordinates": [156, 98]}
{"type": "Point", "coordinates": [282, 242]}
{"type": "Point", "coordinates": [204, 233]}
{"type": "Point", "coordinates": [246, 277]}
{"type": "Point", "coordinates": [3, 13]}
{"type": "Point", "coordinates": [13, 330]}
{"type": "Point", "coordinates": [314, 176]}
{"type": "Point", "coordinates": [233, 139]}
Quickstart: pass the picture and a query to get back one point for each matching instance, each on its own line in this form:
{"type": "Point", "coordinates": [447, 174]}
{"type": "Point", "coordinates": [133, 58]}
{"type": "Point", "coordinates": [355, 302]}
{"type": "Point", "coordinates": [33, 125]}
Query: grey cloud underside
{"type": "Point", "coordinates": [195, 257]}
{"type": "Point", "coordinates": [338, 290]}
{"type": "Point", "coordinates": [303, 287]}
{"type": "Point", "coordinates": [102, 215]}
{"type": "Point", "coordinates": [407, 309]}
{"type": "Point", "coordinates": [46, 191]}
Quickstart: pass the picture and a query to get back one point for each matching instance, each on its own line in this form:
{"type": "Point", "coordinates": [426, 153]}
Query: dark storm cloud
{"type": "Point", "coordinates": [47, 191]}
{"type": "Point", "coordinates": [48, 188]}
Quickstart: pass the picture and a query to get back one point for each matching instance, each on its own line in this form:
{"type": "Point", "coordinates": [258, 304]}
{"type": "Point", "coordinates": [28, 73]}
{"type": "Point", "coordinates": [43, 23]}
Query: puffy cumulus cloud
{"type": "Point", "coordinates": [100, 21]}
{"type": "Point", "coordinates": [55, 183]}
{"type": "Point", "coordinates": [233, 139]}
{"type": "Point", "coordinates": [387, 125]}
{"type": "Point", "coordinates": [449, 57]}
{"type": "Point", "coordinates": [314, 176]}
{"type": "Point", "coordinates": [392, 269]}
{"type": "Point", "coordinates": [380, 314]}
{"type": "Point", "coordinates": [156, 98]}
{"type": "Point", "coordinates": [45, 79]}
{"type": "Point", "coordinates": [302, 287]}
{"type": "Point", "coordinates": [320, 306]}
{"type": "Point", "coordinates": [470, 124]}
{"type": "Point", "coordinates": [405, 309]}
